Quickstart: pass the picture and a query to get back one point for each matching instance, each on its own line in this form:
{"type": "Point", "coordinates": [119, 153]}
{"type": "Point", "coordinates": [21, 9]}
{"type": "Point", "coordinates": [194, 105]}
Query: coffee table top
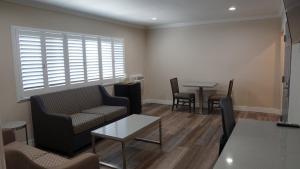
{"type": "Point", "coordinates": [126, 127]}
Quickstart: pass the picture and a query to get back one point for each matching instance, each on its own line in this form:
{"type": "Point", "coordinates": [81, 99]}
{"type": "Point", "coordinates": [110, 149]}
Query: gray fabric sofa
{"type": "Point", "coordinates": [62, 121]}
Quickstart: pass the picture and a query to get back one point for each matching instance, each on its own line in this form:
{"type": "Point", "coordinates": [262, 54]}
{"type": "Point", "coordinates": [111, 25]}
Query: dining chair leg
{"type": "Point", "coordinates": [177, 102]}
{"type": "Point", "coordinates": [213, 106]}
{"type": "Point", "coordinates": [194, 105]}
{"type": "Point", "coordinates": [173, 104]}
{"type": "Point", "coordinates": [190, 105]}
{"type": "Point", "coordinates": [208, 106]}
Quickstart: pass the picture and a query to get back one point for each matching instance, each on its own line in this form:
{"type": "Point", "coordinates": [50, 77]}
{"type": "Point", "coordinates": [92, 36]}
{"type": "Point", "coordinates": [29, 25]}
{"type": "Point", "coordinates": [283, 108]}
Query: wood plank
{"type": "Point", "coordinates": [190, 141]}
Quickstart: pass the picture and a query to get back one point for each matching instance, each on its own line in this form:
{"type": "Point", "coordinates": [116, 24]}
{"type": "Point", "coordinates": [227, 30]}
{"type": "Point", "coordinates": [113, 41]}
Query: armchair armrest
{"type": "Point", "coordinates": [17, 160]}
{"type": "Point", "coordinates": [113, 100]}
{"type": "Point", "coordinates": [84, 161]}
{"type": "Point", "coordinates": [8, 136]}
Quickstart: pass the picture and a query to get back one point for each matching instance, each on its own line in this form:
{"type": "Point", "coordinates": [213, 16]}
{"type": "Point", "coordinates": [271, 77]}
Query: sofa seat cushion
{"type": "Point", "coordinates": [51, 161]}
{"type": "Point", "coordinates": [31, 152]}
{"type": "Point", "coordinates": [84, 121]}
{"type": "Point", "coordinates": [109, 112]}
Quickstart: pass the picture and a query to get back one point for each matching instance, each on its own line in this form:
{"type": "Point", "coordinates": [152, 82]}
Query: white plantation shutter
{"type": "Point", "coordinates": [76, 60]}
{"type": "Point", "coordinates": [31, 63]}
{"type": "Point", "coordinates": [107, 60]}
{"type": "Point", "coordinates": [92, 59]}
{"type": "Point", "coordinates": [119, 61]}
{"type": "Point", "coordinates": [54, 47]}
{"type": "Point", "coordinates": [48, 61]}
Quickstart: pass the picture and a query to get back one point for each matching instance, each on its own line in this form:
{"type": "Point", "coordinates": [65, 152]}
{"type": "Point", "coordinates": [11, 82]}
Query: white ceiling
{"type": "Point", "coordinates": [168, 12]}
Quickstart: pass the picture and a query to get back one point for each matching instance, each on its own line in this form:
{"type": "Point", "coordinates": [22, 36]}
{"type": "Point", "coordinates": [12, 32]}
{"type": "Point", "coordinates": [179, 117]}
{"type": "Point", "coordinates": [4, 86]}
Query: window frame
{"type": "Point", "coordinates": [25, 95]}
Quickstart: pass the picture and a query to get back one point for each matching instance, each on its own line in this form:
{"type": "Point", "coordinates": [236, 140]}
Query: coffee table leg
{"type": "Point", "coordinates": [93, 144]}
{"type": "Point", "coordinates": [124, 155]}
{"type": "Point", "coordinates": [26, 132]}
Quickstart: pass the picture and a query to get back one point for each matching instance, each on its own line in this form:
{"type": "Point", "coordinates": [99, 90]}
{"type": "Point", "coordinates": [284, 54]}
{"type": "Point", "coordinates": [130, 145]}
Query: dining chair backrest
{"type": "Point", "coordinates": [229, 92]}
{"type": "Point", "coordinates": [228, 118]}
{"type": "Point", "coordinates": [174, 85]}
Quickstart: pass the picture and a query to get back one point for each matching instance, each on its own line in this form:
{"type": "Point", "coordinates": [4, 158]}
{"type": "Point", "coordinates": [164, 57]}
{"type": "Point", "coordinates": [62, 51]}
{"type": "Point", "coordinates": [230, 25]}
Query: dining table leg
{"type": "Point", "coordinates": [201, 109]}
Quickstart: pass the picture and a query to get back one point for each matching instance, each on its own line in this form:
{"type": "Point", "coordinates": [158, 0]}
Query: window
{"type": "Point", "coordinates": [48, 61]}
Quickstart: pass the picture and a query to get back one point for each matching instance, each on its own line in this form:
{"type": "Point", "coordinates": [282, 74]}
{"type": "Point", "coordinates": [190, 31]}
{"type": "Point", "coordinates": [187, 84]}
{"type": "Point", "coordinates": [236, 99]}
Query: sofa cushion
{"type": "Point", "coordinates": [31, 152]}
{"type": "Point", "coordinates": [89, 97]}
{"type": "Point", "coordinates": [65, 102]}
{"type": "Point", "coordinates": [50, 160]}
{"type": "Point", "coordinates": [109, 112]}
{"type": "Point", "coordinates": [83, 121]}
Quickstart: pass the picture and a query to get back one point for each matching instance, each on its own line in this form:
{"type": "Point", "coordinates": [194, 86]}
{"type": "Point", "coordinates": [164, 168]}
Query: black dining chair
{"type": "Point", "coordinates": [228, 120]}
{"type": "Point", "coordinates": [214, 100]}
{"type": "Point", "coordinates": [181, 98]}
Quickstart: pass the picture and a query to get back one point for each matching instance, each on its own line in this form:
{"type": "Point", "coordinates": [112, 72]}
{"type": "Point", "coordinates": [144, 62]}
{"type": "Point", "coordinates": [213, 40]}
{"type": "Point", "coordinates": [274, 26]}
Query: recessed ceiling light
{"type": "Point", "coordinates": [232, 8]}
{"type": "Point", "coordinates": [154, 19]}
{"type": "Point", "coordinates": [229, 160]}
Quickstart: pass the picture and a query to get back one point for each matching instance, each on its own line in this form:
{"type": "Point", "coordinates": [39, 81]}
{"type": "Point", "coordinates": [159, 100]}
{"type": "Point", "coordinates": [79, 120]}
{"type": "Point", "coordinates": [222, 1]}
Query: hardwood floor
{"type": "Point", "coordinates": [190, 141]}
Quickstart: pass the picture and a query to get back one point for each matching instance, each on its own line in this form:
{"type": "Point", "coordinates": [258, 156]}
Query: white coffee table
{"type": "Point", "coordinates": [125, 130]}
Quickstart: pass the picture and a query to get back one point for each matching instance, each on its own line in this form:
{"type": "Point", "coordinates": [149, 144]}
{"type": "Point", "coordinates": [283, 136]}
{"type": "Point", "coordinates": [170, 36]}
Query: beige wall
{"type": "Point", "coordinates": [247, 51]}
{"type": "Point", "coordinates": [11, 14]}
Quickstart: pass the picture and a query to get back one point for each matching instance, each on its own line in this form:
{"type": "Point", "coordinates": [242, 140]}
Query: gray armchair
{"type": "Point", "coordinates": [21, 156]}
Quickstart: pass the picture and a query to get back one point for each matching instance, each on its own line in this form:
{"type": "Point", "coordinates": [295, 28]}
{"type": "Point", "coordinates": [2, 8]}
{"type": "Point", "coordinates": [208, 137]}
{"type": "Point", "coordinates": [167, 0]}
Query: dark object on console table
{"type": "Point", "coordinates": [62, 121]}
{"type": "Point", "coordinates": [133, 92]}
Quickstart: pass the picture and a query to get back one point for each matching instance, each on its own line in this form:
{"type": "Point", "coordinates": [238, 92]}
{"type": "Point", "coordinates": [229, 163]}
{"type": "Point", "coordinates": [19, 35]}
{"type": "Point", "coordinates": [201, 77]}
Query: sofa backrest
{"type": "Point", "coordinates": [72, 101]}
{"type": "Point", "coordinates": [89, 97]}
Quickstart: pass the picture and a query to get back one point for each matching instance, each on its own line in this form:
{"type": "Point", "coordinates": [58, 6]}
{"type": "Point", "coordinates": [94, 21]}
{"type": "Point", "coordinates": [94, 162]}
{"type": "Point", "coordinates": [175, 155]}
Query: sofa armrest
{"type": "Point", "coordinates": [17, 160]}
{"type": "Point", "coordinates": [42, 118]}
{"type": "Point", "coordinates": [113, 100]}
{"type": "Point", "coordinates": [8, 136]}
{"type": "Point", "coordinates": [84, 161]}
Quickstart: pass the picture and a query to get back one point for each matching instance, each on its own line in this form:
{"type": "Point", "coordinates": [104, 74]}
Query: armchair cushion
{"type": "Point", "coordinates": [84, 121]}
{"type": "Point", "coordinates": [50, 161]}
{"type": "Point", "coordinates": [83, 161]}
{"type": "Point", "coordinates": [108, 112]}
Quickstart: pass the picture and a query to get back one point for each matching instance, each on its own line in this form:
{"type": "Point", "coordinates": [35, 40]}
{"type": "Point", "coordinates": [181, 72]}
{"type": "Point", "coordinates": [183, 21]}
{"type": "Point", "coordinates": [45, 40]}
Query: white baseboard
{"type": "Point", "coordinates": [238, 108]}
{"type": "Point", "coordinates": [258, 109]}
{"type": "Point", "coordinates": [157, 101]}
